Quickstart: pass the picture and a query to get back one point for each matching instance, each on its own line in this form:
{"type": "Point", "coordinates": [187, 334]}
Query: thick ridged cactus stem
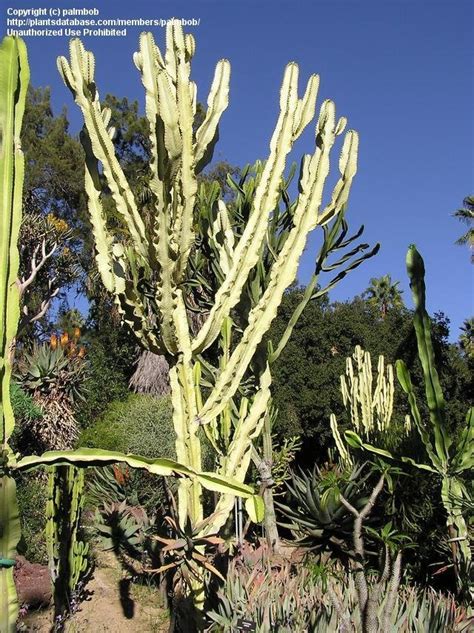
{"type": "Point", "coordinates": [67, 553]}
{"type": "Point", "coordinates": [14, 77]}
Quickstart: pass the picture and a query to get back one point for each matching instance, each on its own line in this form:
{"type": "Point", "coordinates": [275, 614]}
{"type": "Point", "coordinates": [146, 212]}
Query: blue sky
{"type": "Point", "coordinates": [400, 71]}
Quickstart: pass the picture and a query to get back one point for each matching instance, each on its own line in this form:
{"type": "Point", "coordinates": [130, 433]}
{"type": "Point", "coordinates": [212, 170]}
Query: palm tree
{"type": "Point", "coordinates": [466, 215]}
{"type": "Point", "coordinates": [383, 294]}
{"type": "Point", "coordinates": [466, 339]}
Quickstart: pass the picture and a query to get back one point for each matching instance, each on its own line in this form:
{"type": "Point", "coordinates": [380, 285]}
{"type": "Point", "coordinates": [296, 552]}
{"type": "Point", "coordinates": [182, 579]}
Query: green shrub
{"type": "Point", "coordinates": [25, 411]}
{"type": "Point", "coordinates": [143, 425]}
{"type": "Point", "coordinates": [105, 383]}
{"type": "Point", "coordinates": [140, 424]}
{"type": "Point", "coordinates": [32, 495]}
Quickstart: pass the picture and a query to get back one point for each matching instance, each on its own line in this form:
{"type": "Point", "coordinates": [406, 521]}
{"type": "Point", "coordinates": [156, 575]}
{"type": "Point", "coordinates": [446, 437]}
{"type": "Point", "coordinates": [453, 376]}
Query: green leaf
{"type": "Point", "coordinates": [355, 441]}
{"type": "Point", "coordinates": [464, 458]}
{"type": "Point", "coordinates": [255, 508]}
{"type": "Point", "coordinates": [404, 379]}
{"type": "Point", "coordinates": [224, 485]}
{"type": "Point", "coordinates": [85, 457]}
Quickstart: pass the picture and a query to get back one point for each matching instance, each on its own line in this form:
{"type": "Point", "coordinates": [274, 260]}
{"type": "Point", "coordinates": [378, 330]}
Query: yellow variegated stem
{"type": "Point", "coordinates": [225, 247]}
{"type": "Point", "coordinates": [217, 102]}
{"type": "Point", "coordinates": [79, 78]}
{"type": "Point", "coordinates": [166, 288]}
{"type": "Point", "coordinates": [102, 239]}
{"type": "Point", "coordinates": [284, 269]}
{"type": "Point", "coordinates": [183, 233]}
{"type": "Point", "coordinates": [451, 495]}
{"type": "Point", "coordinates": [247, 251]}
{"type": "Point", "coordinates": [340, 445]}
{"type": "Point", "coordinates": [166, 146]}
{"type": "Point", "coordinates": [235, 464]}
{"type": "Point", "coordinates": [184, 398]}
{"type": "Point", "coordinates": [147, 60]}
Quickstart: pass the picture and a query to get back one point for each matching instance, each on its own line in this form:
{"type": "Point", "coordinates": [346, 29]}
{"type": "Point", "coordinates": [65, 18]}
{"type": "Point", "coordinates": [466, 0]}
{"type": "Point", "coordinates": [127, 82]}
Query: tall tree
{"type": "Point", "coordinates": [53, 200]}
{"type": "Point", "coordinates": [466, 339]}
{"type": "Point", "coordinates": [466, 215]}
{"type": "Point", "coordinates": [383, 294]}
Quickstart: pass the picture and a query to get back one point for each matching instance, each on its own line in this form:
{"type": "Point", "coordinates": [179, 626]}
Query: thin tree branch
{"type": "Point", "coordinates": [36, 267]}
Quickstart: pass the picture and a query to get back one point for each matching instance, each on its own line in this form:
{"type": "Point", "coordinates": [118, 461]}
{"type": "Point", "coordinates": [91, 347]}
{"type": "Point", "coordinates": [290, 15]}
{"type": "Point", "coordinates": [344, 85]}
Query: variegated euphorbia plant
{"type": "Point", "coordinates": [148, 273]}
{"type": "Point", "coordinates": [14, 77]}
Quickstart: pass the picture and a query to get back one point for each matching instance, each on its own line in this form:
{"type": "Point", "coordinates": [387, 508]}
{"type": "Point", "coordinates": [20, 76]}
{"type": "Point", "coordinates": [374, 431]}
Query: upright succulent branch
{"type": "Point", "coordinates": [67, 553]}
{"type": "Point", "coordinates": [14, 77]}
{"type": "Point", "coordinates": [449, 459]}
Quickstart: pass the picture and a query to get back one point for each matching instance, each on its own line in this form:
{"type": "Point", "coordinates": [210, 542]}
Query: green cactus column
{"type": "Point", "coordinates": [66, 552]}
{"type": "Point", "coordinates": [14, 77]}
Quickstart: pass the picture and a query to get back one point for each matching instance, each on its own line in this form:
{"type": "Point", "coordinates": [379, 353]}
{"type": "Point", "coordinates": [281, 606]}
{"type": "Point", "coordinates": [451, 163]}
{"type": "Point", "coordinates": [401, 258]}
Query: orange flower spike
{"type": "Point", "coordinates": [118, 474]}
{"type": "Point", "coordinates": [64, 339]}
{"type": "Point", "coordinates": [76, 334]}
{"type": "Point", "coordinates": [82, 352]}
{"type": "Point", "coordinates": [53, 341]}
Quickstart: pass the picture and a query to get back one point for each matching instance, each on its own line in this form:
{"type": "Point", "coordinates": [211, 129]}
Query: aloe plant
{"type": "Point", "coordinates": [448, 459]}
{"type": "Point", "coordinates": [315, 514]}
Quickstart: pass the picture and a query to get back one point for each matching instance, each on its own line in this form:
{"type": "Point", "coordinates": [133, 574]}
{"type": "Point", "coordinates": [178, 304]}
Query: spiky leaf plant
{"type": "Point", "coordinates": [55, 379]}
{"type": "Point", "coordinates": [313, 511]}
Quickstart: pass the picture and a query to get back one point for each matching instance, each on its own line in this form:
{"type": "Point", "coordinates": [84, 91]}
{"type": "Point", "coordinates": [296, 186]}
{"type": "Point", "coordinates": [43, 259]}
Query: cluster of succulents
{"type": "Point", "coordinates": [54, 374]}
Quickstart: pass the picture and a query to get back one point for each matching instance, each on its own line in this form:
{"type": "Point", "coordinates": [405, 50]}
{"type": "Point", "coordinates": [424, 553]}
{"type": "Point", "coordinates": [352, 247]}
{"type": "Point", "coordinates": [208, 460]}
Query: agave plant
{"type": "Point", "coordinates": [122, 528]}
{"type": "Point", "coordinates": [188, 552]}
{"type": "Point", "coordinates": [316, 516]}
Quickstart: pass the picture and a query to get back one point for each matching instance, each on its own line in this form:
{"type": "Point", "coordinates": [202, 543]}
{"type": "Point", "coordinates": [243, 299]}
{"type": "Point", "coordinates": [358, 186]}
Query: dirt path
{"type": "Point", "coordinates": [114, 604]}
